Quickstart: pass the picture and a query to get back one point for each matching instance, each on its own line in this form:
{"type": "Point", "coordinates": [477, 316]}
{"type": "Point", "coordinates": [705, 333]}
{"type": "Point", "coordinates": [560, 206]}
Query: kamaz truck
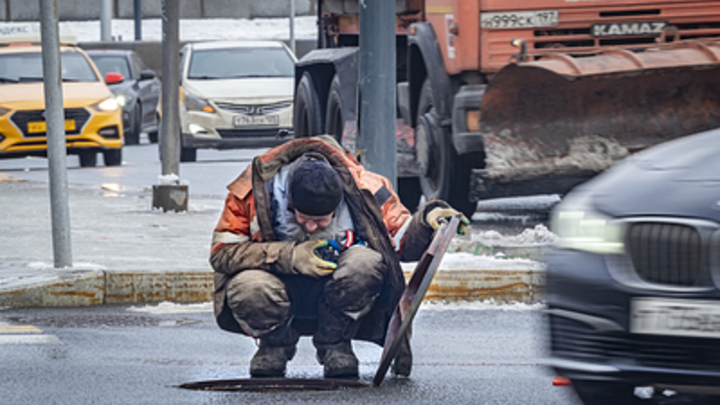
{"type": "Point", "coordinates": [500, 98]}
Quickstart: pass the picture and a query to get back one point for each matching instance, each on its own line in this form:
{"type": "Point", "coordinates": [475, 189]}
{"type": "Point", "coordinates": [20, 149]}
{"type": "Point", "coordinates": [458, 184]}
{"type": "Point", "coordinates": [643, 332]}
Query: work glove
{"type": "Point", "coordinates": [440, 213]}
{"type": "Point", "coordinates": [306, 259]}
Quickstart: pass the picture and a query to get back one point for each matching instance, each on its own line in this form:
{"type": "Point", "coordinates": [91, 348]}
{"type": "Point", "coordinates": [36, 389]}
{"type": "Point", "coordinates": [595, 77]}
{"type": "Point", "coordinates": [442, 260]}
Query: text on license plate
{"type": "Point", "coordinates": [675, 317]}
{"type": "Point", "coordinates": [520, 19]}
{"type": "Point", "coordinates": [256, 120]}
{"type": "Point", "coordinates": [41, 126]}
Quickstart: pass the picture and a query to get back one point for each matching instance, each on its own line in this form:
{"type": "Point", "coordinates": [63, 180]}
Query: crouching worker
{"type": "Point", "coordinates": [309, 244]}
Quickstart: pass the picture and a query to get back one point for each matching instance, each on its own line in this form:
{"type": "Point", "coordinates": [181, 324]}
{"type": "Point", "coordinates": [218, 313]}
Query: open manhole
{"type": "Point", "coordinates": [274, 384]}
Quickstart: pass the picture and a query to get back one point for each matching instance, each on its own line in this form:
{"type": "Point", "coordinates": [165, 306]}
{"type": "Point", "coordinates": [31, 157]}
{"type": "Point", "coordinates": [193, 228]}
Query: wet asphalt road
{"type": "Point", "coordinates": [111, 355]}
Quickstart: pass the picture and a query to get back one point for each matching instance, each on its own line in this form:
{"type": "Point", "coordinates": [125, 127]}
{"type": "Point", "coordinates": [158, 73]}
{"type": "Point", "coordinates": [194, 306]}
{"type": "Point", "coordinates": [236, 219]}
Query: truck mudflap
{"type": "Point", "coordinates": [573, 117]}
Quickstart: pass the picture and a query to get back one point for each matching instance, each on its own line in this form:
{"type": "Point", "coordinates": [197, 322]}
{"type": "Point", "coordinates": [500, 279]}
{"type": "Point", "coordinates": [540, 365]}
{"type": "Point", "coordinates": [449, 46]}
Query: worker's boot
{"type": "Point", "coordinates": [333, 343]}
{"type": "Point", "coordinates": [276, 349]}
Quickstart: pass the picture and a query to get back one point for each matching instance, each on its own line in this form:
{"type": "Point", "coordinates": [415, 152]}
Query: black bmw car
{"type": "Point", "coordinates": [633, 285]}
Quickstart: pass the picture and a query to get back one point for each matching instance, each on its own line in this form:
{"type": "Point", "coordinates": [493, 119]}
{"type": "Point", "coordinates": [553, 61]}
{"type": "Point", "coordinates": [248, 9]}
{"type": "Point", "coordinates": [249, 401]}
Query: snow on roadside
{"type": "Point", "coordinates": [485, 305]}
{"type": "Point", "coordinates": [540, 235]}
{"type": "Point", "coordinates": [175, 308]}
{"type": "Point", "coordinates": [199, 29]}
{"type": "Point", "coordinates": [466, 261]}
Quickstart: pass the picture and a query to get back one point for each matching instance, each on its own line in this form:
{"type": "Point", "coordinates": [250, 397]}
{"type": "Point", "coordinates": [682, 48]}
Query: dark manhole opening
{"type": "Point", "coordinates": [274, 384]}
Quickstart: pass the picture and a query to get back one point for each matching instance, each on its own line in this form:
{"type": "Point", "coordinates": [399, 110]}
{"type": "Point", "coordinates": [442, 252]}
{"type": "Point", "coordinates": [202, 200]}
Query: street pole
{"type": "Point", "coordinates": [292, 26]}
{"type": "Point", "coordinates": [376, 64]}
{"type": "Point", "coordinates": [55, 132]}
{"type": "Point", "coordinates": [105, 20]}
{"type": "Point", "coordinates": [170, 195]}
{"type": "Point", "coordinates": [137, 10]}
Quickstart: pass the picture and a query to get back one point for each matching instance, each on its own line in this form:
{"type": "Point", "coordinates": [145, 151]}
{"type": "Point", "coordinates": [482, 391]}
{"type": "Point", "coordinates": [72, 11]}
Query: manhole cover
{"type": "Point", "coordinates": [273, 384]}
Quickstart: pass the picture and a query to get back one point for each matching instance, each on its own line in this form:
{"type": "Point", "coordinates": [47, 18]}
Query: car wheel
{"type": "Point", "coordinates": [88, 159]}
{"type": "Point", "coordinates": [446, 176]}
{"type": "Point", "coordinates": [604, 393]}
{"type": "Point", "coordinates": [307, 113]}
{"type": "Point", "coordinates": [334, 122]}
{"type": "Point", "coordinates": [133, 136]}
{"type": "Point", "coordinates": [112, 157]}
{"type": "Point", "coordinates": [153, 136]}
{"type": "Point", "coordinates": [188, 154]}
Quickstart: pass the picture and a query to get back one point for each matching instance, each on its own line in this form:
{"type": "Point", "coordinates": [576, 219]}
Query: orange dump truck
{"type": "Point", "coordinates": [516, 97]}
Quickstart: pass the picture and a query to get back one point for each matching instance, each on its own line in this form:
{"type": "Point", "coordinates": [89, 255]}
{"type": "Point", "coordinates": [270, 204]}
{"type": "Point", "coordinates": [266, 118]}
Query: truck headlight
{"type": "Point", "coordinates": [195, 103]}
{"type": "Point", "coordinates": [581, 227]}
{"type": "Point", "coordinates": [109, 104]}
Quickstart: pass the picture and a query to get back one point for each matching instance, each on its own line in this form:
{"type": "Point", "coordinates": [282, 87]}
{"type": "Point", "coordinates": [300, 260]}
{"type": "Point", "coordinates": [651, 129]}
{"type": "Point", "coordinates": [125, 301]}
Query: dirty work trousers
{"type": "Point", "coordinates": [261, 302]}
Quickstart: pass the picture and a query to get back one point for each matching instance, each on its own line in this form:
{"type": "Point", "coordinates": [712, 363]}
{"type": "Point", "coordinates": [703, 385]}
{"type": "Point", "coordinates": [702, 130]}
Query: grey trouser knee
{"type": "Point", "coordinates": [259, 301]}
{"type": "Point", "coordinates": [354, 286]}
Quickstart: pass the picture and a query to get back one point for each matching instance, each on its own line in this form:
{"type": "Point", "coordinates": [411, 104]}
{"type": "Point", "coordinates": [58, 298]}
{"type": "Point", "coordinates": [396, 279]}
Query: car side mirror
{"type": "Point", "coordinates": [112, 78]}
{"type": "Point", "coordinates": [147, 74]}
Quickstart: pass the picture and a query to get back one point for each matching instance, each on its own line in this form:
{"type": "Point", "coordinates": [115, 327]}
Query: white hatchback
{"type": "Point", "coordinates": [235, 94]}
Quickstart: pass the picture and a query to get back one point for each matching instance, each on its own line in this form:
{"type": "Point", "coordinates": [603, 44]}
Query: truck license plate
{"type": "Point", "coordinates": [675, 317]}
{"type": "Point", "coordinates": [255, 120]}
{"type": "Point", "coordinates": [41, 126]}
{"type": "Point", "coordinates": [520, 19]}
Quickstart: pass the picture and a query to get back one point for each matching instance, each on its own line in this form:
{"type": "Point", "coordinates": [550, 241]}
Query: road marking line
{"type": "Point", "coordinates": [13, 329]}
{"type": "Point", "coordinates": [28, 339]}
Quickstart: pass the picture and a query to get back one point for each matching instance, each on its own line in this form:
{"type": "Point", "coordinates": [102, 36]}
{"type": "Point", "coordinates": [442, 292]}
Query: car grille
{"type": "Point", "coordinates": [259, 109]}
{"type": "Point", "coordinates": [248, 133]}
{"type": "Point", "coordinates": [22, 118]}
{"type": "Point", "coordinates": [576, 340]}
{"type": "Point", "coordinates": [670, 254]}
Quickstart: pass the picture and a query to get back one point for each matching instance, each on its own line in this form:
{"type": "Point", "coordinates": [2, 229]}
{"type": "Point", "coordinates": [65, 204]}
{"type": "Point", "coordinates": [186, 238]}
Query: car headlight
{"type": "Point", "coordinates": [109, 104]}
{"type": "Point", "coordinates": [195, 103]}
{"type": "Point", "coordinates": [581, 227]}
{"type": "Point", "coordinates": [122, 100]}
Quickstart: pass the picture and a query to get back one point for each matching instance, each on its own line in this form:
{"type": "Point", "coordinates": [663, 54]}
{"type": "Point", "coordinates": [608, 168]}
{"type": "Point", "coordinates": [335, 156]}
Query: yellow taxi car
{"type": "Point", "coordinates": [93, 122]}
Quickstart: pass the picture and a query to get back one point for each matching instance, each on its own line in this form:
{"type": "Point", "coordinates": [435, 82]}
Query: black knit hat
{"type": "Point", "coordinates": [315, 187]}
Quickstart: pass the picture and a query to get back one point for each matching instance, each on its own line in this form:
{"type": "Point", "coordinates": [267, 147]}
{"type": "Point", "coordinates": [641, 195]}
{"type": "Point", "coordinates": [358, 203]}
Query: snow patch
{"type": "Point", "coordinates": [173, 308]}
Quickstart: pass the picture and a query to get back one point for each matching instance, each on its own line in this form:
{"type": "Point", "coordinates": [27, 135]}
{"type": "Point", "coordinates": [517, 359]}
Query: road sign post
{"type": "Point", "coordinates": [171, 195]}
{"type": "Point", "coordinates": [55, 130]}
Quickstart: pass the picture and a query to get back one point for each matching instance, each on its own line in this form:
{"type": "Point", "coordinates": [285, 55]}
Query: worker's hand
{"type": "Point", "coordinates": [306, 261]}
{"type": "Point", "coordinates": [437, 214]}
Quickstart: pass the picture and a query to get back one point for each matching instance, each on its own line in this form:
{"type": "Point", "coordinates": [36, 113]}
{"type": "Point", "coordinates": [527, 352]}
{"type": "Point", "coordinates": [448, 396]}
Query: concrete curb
{"type": "Point", "coordinates": [88, 288]}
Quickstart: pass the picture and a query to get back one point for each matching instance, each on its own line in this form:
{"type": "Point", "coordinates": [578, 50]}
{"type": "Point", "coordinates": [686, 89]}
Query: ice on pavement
{"type": "Point", "coordinates": [199, 29]}
{"type": "Point", "coordinates": [464, 261]}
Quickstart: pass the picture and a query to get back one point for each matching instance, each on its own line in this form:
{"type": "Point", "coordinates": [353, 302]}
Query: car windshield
{"type": "Point", "coordinates": [112, 64]}
{"type": "Point", "coordinates": [237, 63]}
{"type": "Point", "coordinates": [27, 67]}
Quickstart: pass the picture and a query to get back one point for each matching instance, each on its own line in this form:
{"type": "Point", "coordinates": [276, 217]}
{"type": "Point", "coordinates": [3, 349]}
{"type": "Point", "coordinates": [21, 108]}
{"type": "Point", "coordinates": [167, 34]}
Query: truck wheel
{"type": "Point", "coordinates": [112, 157]}
{"type": "Point", "coordinates": [88, 159]}
{"type": "Point", "coordinates": [307, 113]}
{"type": "Point", "coordinates": [445, 174]}
{"type": "Point", "coordinates": [334, 122]}
{"type": "Point", "coordinates": [409, 192]}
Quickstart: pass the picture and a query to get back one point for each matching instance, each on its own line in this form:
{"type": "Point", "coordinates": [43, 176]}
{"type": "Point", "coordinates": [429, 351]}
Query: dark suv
{"type": "Point", "coordinates": [633, 285]}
